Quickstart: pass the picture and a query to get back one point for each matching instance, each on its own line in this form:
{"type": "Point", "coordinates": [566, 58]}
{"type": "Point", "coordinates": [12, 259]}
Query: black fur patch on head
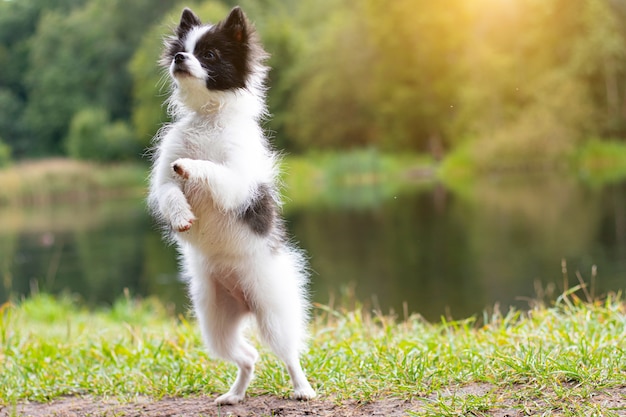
{"type": "Point", "coordinates": [262, 213]}
{"type": "Point", "coordinates": [188, 20]}
{"type": "Point", "coordinates": [229, 51]}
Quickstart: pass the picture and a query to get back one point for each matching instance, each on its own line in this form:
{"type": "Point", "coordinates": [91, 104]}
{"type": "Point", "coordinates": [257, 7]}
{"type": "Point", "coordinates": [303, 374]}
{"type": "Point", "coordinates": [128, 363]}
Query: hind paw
{"type": "Point", "coordinates": [304, 394]}
{"type": "Point", "coordinates": [229, 399]}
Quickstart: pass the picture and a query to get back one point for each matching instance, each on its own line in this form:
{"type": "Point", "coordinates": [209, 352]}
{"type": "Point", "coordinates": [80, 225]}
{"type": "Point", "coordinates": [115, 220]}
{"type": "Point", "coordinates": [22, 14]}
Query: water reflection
{"type": "Point", "coordinates": [441, 252]}
{"type": "Point", "coordinates": [92, 250]}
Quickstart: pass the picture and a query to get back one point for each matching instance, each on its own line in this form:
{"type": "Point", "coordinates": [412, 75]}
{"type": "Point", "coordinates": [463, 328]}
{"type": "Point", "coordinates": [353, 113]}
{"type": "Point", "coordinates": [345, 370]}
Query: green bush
{"type": "Point", "coordinates": [93, 137]}
{"type": "Point", "coordinates": [5, 154]}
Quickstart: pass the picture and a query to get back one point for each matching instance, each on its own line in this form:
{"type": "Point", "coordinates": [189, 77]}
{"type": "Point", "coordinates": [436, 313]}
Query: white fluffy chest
{"type": "Point", "coordinates": [209, 143]}
{"type": "Point", "coordinates": [226, 167]}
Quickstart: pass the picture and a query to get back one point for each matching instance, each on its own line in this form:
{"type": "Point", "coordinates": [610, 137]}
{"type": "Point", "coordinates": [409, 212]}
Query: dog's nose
{"type": "Point", "coordinates": [179, 57]}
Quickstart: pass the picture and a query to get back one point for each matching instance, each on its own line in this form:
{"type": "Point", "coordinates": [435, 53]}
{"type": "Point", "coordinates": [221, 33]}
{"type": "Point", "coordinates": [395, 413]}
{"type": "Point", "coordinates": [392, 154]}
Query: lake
{"type": "Point", "coordinates": [419, 248]}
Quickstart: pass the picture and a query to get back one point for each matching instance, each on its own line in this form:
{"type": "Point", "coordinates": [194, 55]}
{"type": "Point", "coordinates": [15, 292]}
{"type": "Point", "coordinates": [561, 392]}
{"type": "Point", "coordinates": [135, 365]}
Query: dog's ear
{"type": "Point", "coordinates": [236, 25]}
{"type": "Point", "coordinates": [187, 21]}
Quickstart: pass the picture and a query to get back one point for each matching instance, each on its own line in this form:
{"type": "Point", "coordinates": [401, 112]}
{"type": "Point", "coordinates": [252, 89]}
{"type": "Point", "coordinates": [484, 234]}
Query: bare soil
{"type": "Point", "coordinates": [203, 406]}
{"type": "Point", "coordinates": [613, 399]}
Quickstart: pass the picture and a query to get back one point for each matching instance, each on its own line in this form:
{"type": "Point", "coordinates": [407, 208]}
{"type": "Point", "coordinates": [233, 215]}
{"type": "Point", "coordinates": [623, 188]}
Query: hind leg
{"type": "Point", "coordinates": [277, 328]}
{"type": "Point", "coordinates": [220, 316]}
{"type": "Point", "coordinates": [244, 356]}
{"type": "Point", "coordinates": [281, 313]}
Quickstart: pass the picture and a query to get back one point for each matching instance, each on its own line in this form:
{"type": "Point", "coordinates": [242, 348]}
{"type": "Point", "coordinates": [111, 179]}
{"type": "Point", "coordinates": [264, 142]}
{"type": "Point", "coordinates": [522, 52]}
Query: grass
{"type": "Point", "coordinates": [550, 358]}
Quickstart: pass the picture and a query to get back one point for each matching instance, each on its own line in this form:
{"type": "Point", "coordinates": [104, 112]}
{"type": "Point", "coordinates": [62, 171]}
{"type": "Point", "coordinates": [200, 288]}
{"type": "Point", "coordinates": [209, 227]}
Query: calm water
{"type": "Point", "coordinates": [438, 251]}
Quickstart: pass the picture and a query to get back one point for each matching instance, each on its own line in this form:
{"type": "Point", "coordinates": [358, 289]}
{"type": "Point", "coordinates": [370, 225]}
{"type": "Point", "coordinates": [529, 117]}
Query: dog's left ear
{"type": "Point", "coordinates": [236, 25]}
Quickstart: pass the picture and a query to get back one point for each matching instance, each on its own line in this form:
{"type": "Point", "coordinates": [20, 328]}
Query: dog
{"type": "Point", "coordinates": [213, 185]}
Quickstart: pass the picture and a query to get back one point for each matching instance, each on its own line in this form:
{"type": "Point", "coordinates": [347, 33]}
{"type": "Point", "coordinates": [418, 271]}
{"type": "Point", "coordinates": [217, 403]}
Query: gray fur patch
{"type": "Point", "coordinates": [261, 214]}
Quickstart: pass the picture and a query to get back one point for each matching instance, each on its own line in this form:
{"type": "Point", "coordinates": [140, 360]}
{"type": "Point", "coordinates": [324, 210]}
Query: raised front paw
{"type": "Point", "coordinates": [182, 220]}
{"type": "Point", "coordinates": [183, 224]}
{"type": "Point", "coordinates": [182, 168]}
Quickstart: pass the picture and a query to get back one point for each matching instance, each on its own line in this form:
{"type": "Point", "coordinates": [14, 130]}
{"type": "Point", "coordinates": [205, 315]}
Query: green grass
{"type": "Point", "coordinates": [555, 358]}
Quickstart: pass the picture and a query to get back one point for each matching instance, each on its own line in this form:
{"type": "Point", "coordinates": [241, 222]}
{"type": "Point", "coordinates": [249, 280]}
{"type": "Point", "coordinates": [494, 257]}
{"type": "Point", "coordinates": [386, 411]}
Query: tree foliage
{"type": "Point", "coordinates": [5, 154]}
{"type": "Point", "coordinates": [531, 78]}
{"type": "Point", "coordinates": [79, 58]}
{"type": "Point", "coordinates": [92, 136]}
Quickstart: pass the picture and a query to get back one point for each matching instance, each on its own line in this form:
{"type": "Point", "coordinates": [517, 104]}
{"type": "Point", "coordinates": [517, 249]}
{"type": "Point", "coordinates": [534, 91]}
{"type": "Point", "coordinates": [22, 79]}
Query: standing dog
{"type": "Point", "coordinates": [213, 182]}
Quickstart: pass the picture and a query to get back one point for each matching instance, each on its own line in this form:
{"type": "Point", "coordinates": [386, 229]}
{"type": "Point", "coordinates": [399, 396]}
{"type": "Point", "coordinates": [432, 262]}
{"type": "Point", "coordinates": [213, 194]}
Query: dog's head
{"type": "Point", "coordinates": [221, 57]}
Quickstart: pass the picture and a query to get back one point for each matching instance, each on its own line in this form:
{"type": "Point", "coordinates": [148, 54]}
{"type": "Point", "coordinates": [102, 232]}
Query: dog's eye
{"type": "Point", "coordinates": [210, 55]}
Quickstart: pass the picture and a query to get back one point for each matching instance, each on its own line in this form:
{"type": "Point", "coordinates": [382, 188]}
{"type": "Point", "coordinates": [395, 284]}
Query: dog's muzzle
{"type": "Point", "coordinates": [180, 64]}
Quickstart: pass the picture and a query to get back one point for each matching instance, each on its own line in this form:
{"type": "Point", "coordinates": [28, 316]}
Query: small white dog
{"type": "Point", "coordinates": [213, 184]}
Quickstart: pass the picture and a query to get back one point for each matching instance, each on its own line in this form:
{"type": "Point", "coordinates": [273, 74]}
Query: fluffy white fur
{"type": "Point", "coordinates": [207, 168]}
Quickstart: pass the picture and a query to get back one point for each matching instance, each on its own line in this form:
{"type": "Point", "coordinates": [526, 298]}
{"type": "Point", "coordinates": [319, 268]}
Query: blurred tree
{"type": "Point", "coordinates": [523, 100]}
{"type": "Point", "coordinates": [11, 107]}
{"type": "Point", "coordinates": [408, 74]}
{"type": "Point", "coordinates": [93, 137]}
{"type": "Point", "coordinates": [416, 77]}
{"type": "Point", "coordinates": [18, 21]}
{"type": "Point", "coordinates": [379, 73]}
{"type": "Point", "coordinates": [80, 60]}
{"type": "Point", "coordinates": [599, 57]}
{"type": "Point", "coordinates": [5, 154]}
{"type": "Point", "coordinates": [331, 104]}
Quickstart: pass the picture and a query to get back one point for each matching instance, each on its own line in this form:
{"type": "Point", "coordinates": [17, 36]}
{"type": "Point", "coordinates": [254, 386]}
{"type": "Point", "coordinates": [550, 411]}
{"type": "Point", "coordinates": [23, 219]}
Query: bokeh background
{"type": "Point", "coordinates": [441, 157]}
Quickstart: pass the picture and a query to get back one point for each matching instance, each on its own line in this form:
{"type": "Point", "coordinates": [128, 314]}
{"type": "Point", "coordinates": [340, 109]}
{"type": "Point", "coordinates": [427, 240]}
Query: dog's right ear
{"type": "Point", "coordinates": [188, 20]}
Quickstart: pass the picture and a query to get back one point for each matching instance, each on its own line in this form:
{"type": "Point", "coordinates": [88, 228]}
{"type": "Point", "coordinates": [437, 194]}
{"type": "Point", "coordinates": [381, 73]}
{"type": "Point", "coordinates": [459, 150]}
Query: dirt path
{"type": "Point", "coordinates": [203, 406]}
{"type": "Point", "coordinates": [264, 406]}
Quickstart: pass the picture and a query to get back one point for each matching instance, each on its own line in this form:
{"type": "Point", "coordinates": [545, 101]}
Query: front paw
{"type": "Point", "coordinates": [182, 168]}
{"type": "Point", "coordinates": [182, 220]}
{"type": "Point", "coordinates": [183, 224]}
